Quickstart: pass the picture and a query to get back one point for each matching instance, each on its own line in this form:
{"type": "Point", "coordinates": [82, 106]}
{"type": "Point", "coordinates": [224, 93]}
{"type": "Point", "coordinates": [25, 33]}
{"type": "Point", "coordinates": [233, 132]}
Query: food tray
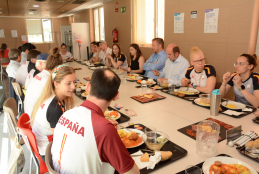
{"type": "Point", "coordinates": [87, 79]}
{"type": "Point", "coordinates": [256, 120]}
{"type": "Point", "coordinates": [169, 146]}
{"type": "Point", "coordinates": [147, 100]}
{"type": "Point", "coordinates": [123, 118]}
{"type": "Point", "coordinates": [242, 151]}
{"type": "Point", "coordinates": [184, 98]}
{"type": "Point", "coordinates": [76, 69]}
{"type": "Point", "coordinates": [200, 164]}
{"type": "Point", "coordinates": [222, 131]}
{"type": "Point", "coordinates": [224, 109]}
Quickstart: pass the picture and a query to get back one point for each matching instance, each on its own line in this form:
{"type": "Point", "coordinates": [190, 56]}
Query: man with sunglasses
{"type": "Point", "coordinates": [175, 66]}
{"type": "Point", "coordinates": [199, 76]}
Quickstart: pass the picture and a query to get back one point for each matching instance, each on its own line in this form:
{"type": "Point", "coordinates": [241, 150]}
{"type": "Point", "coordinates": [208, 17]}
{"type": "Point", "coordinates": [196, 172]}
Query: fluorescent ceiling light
{"type": "Point", "coordinates": [30, 12]}
{"type": "Point", "coordinates": [35, 5]}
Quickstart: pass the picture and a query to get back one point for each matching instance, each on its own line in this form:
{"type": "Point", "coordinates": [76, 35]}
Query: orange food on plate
{"type": "Point", "coordinates": [131, 143]}
{"type": "Point", "coordinates": [220, 168]}
{"type": "Point", "coordinates": [139, 81]}
{"type": "Point", "coordinates": [115, 113]}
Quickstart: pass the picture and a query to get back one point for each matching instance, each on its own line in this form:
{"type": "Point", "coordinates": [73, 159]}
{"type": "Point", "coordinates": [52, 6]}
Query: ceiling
{"type": "Point", "coordinates": [47, 8]}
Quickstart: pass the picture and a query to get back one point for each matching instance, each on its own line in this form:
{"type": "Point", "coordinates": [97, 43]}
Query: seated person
{"type": "Point", "coordinates": [104, 50]}
{"type": "Point", "coordinates": [65, 54]}
{"type": "Point", "coordinates": [137, 60]}
{"type": "Point", "coordinates": [39, 81]}
{"type": "Point", "coordinates": [199, 76]}
{"type": "Point", "coordinates": [175, 66]}
{"type": "Point", "coordinates": [40, 66]}
{"type": "Point", "coordinates": [93, 49]}
{"type": "Point", "coordinates": [25, 68]}
{"type": "Point", "coordinates": [4, 51]}
{"type": "Point", "coordinates": [55, 99]}
{"type": "Point", "coordinates": [98, 52]}
{"type": "Point", "coordinates": [25, 50]}
{"type": "Point", "coordinates": [117, 59]}
{"type": "Point", "coordinates": [244, 81]}
{"type": "Point", "coordinates": [156, 60]}
{"type": "Point", "coordinates": [96, 145]}
{"type": "Point", "coordinates": [15, 59]}
{"type": "Point", "coordinates": [55, 50]}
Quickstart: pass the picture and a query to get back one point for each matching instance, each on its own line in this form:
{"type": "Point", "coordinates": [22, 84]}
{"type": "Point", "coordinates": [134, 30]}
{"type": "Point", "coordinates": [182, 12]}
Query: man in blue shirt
{"type": "Point", "coordinates": [156, 60]}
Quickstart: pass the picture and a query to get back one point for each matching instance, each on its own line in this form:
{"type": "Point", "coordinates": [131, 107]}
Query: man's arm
{"type": "Point", "coordinates": [157, 65]}
{"type": "Point", "coordinates": [133, 170]}
{"type": "Point", "coordinates": [148, 61]}
{"type": "Point", "coordinates": [182, 72]}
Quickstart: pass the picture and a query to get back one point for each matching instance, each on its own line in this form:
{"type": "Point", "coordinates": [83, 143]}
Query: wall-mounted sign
{"type": "Point", "coordinates": [123, 9]}
{"type": "Point", "coordinates": [179, 23]}
{"type": "Point", "coordinates": [211, 20]}
{"type": "Point", "coordinates": [193, 14]}
{"type": "Point", "coordinates": [116, 6]}
{"type": "Point", "coordinates": [2, 33]}
{"type": "Point", "coordinates": [14, 33]}
{"type": "Point", "coordinates": [24, 39]}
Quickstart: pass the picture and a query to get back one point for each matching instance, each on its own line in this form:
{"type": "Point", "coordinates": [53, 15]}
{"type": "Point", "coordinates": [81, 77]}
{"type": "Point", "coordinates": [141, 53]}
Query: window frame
{"type": "Point", "coordinates": [134, 22]}
{"type": "Point", "coordinates": [42, 34]}
{"type": "Point", "coordinates": [99, 22]}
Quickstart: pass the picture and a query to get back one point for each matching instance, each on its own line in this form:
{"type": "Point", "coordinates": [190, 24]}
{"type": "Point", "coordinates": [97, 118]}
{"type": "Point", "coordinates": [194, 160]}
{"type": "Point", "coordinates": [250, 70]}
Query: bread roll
{"type": "Point", "coordinates": [165, 155]}
{"type": "Point", "coordinates": [144, 158]}
{"type": "Point", "coordinates": [257, 140]}
{"type": "Point", "coordinates": [175, 93]}
{"type": "Point", "coordinates": [181, 95]}
{"type": "Point", "coordinates": [256, 144]}
{"type": "Point", "coordinates": [249, 144]}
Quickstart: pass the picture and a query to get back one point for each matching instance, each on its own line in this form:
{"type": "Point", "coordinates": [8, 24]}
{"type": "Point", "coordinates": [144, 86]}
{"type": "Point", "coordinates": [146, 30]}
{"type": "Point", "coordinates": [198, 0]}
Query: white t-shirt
{"type": "Point", "coordinates": [34, 90]}
{"type": "Point", "coordinates": [66, 56]}
{"type": "Point", "coordinates": [22, 73]}
{"type": "Point", "coordinates": [30, 76]}
{"type": "Point", "coordinates": [103, 55]}
{"type": "Point", "coordinates": [23, 58]}
{"type": "Point", "coordinates": [12, 68]}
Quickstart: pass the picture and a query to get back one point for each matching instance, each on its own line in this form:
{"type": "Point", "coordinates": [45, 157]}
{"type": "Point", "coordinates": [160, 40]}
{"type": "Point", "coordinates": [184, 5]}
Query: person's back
{"type": "Point", "coordinates": [22, 73]}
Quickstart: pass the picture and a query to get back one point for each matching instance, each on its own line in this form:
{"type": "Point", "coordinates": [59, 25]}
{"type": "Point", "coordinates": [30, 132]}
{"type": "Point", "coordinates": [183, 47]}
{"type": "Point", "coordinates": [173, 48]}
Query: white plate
{"type": "Point", "coordinates": [189, 90]}
{"type": "Point", "coordinates": [137, 131]}
{"type": "Point", "coordinates": [93, 68]}
{"type": "Point", "coordinates": [197, 100]}
{"type": "Point", "coordinates": [118, 113]}
{"type": "Point", "coordinates": [157, 88]}
{"type": "Point", "coordinates": [238, 105]}
{"type": "Point", "coordinates": [226, 160]}
{"type": "Point", "coordinates": [128, 78]}
{"type": "Point", "coordinates": [83, 95]}
{"type": "Point", "coordinates": [83, 87]}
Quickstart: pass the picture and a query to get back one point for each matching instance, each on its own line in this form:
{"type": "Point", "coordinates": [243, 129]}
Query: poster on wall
{"type": "Point", "coordinates": [2, 33]}
{"type": "Point", "coordinates": [116, 6]}
{"type": "Point", "coordinates": [77, 37]}
{"type": "Point", "coordinates": [24, 39]}
{"type": "Point", "coordinates": [14, 33]}
{"type": "Point", "coordinates": [211, 21]}
{"type": "Point", "coordinates": [179, 23]}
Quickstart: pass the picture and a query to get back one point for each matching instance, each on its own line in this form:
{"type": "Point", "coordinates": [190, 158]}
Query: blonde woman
{"type": "Point", "coordinates": [56, 98]}
{"type": "Point", "coordinates": [199, 76]}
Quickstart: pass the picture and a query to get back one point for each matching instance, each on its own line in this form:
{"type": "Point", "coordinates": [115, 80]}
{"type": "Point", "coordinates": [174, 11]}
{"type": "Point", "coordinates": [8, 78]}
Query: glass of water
{"type": "Point", "coordinates": [171, 89]}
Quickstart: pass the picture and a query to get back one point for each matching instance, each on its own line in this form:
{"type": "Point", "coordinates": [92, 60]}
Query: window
{"type": "Point", "coordinates": [39, 30]}
{"type": "Point", "coordinates": [99, 24]}
{"type": "Point", "coordinates": [148, 22]}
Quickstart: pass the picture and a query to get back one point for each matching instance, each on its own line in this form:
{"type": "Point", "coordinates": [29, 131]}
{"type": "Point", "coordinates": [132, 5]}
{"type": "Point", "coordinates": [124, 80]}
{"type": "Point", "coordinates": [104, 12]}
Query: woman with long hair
{"type": "Point", "coordinates": [55, 99]}
{"type": "Point", "coordinates": [244, 81]}
{"type": "Point", "coordinates": [136, 60]}
{"type": "Point", "coordinates": [117, 59]}
{"type": "Point", "coordinates": [4, 51]}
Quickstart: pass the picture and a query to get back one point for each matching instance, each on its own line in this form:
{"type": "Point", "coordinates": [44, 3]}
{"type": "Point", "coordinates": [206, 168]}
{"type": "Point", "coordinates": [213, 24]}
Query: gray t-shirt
{"type": "Point", "coordinates": [251, 84]}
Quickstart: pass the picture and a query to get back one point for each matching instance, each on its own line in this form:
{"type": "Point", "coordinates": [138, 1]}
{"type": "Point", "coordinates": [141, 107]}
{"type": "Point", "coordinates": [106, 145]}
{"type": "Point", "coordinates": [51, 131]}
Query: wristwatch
{"type": "Point", "coordinates": [242, 88]}
{"type": "Point", "coordinates": [194, 87]}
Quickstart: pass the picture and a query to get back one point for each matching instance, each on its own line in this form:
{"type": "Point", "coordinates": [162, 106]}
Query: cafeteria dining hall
{"type": "Point", "coordinates": [129, 86]}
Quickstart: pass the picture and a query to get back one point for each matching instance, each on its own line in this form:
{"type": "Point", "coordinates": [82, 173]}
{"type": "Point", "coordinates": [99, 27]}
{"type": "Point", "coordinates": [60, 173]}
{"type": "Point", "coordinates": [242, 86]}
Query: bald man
{"type": "Point", "coordinates": [175, 66]}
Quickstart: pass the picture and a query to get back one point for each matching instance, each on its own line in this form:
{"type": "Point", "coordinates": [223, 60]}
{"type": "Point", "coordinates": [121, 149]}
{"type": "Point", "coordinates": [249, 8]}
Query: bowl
{"type": "Point", "coordinates": [155, 140]}
{"type": "Point", "coordinates": [205, 98]}
{"type": "Point", "coordinates": [164, 83]}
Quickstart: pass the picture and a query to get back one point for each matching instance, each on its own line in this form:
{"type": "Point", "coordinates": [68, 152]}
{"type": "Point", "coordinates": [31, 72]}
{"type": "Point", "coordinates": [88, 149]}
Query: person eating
{"type": "Point", "coordinates": [104, 50]}
{"type": "Point", "coordinates": [65, 54]}
{"type": "Point", "coordinates": [93, 49]}
{"type": "Point", "coordinates": [117, 58]}
{"type": "Point", "coordinates": [84, 135]}
{"type": "Point", "coordinates": [199, 76]}
{"type": "Point", "coordinates": [244, 81]}
{"type": "Point", "coordinates": [156, 60]}
{"type": "Point", "coordinates": [175, 66]}
{"type": "Point", "coordinates": [37, 84]}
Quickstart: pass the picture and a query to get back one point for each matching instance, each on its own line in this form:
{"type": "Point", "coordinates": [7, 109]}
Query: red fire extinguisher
{"type": "Point", "coordinates": [115, 35]}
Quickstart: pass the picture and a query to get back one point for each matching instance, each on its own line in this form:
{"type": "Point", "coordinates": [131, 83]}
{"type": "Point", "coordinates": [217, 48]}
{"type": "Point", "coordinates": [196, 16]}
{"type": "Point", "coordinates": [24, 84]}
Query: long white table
{"type": "Point", "coordinates": [170, 114]}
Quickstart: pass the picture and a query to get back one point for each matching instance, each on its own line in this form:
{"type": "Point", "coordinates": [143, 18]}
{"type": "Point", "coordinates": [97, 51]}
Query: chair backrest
{"type": "Point", "coordinates": [5, 61]}
{"type": "Point", "coordinates": [48, 159]}
{"type": "Point", "coordinates": [11, 108]}
{"type": "Point", "coordinates": [17, 85]}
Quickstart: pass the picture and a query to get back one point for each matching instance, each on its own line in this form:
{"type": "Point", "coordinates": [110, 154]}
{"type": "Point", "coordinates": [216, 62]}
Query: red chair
{"type": "Point", "coordinates": [30, 141]}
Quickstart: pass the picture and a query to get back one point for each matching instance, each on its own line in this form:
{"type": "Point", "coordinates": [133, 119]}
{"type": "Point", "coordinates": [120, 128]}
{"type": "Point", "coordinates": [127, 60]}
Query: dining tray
{"type": "Point", "coordinates": [224, 109]}
{"type": "Point", "coordinates": [242, 151]}
{"type": "Point", "coordinates": [200, 164]}
{"type": "Point", "coordinates": [256, 120]}
{"type": "Point", "coordinates": [184, 98]}
{"type": "Point", "coordinates": [160, 98]}
{"type": "Point", "coordinates": [169, 146]}
{"type": "Point", "coordinates": [222, 131]}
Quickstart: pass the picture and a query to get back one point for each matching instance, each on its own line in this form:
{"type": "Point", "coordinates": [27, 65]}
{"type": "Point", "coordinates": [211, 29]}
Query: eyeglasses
{"type": "Point", "coordinates": [239, 64]}
{"type": "Point", "coordinates": [199, 61]}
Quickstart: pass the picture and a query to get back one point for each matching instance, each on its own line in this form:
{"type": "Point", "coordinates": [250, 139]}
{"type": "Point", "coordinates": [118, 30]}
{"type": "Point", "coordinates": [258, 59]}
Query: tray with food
{"type": "Point", "coordinates": [145, 147]}
{"type": "Point", "coordinates": [256, 120]}
{"type": "Point", "coordinates": [251, 149]}
{"type": "Point", "coordinates": [122, 117]}
{"type": "Point", "coordinates": [88, 78]}
{"type": "Point", "coordinates": [191, 130]}
{"type": "Point", "coordinates": [181, 95]}
{"type": "Point", "coordinates": [75, 68]}
{"type": "Point", "coordinates": [146, 98]}
{"type": "Point", "coordinates": [147, 81]}
{"type": "Point", "coordinates": [227, 107]}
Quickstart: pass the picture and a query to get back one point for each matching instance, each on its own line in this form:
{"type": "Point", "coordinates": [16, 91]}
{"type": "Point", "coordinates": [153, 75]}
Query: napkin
{"type": "Point", "coordinates": [153, 160]}
{"type": "Point", "coordinates": [230, 112]}
{"type": "Point", "coordinates": [140, 164]}
{"type": "Point", "coordinates": [247, 110]}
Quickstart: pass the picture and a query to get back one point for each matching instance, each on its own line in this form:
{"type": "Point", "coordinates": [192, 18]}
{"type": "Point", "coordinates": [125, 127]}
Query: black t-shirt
{"type": "Point", "coordinates": [121, 58]}
{"type": "Point", "coordinates": [36, 72]}
{"type": "Point", "coordinates": [31, 66]}
{"type": "Point", "coordinates": [54, 112]}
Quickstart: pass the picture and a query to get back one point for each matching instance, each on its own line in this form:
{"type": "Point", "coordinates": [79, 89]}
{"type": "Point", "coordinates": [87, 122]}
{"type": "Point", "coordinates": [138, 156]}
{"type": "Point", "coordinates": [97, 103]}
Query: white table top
{"type": "Point", "coordinates": [170, 114]}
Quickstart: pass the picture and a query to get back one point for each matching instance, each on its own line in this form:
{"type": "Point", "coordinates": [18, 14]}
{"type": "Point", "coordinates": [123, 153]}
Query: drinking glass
{"type": "Point", "coordinates": [171, 89]}
{"type": "Point", "coordinates": [144, 88]}
{"type": "Point", "coordinates": [193, 170]}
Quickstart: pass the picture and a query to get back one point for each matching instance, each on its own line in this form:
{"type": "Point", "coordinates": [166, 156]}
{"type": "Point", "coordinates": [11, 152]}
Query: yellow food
{"type": "Point", "coordinates": [185, 92]}
{"type": "Point", "coordinates": [219, 167]}
{"type": "Point", "coordinates": [165, 155]}
{"type": "Point", "coordinates": [79, 85]}
{"type": "Point", "coordinates": [231, 106]}
{"type": "Point", "coordinates": [85, 93]}
{"type": "Point", "coordinates": [204, 102]}
{"type": "Point", "coordinates": [144, 158]}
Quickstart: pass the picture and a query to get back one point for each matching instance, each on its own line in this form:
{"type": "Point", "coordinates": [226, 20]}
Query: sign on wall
{"type": "Point", "coordinates": [211, 20]}
{"type": "Point", "coordinates": [179, 23]}
{"type": "Point", "coordinates": [14, 33]}
{"type": "Point", "coordinates": [123, 9]}
{"type": "Point", "coordinates": [116, 6]}
{"type": "Point", "coordinates": [2, 33]}
{"type": "Point", "coordinates": [193, 14]}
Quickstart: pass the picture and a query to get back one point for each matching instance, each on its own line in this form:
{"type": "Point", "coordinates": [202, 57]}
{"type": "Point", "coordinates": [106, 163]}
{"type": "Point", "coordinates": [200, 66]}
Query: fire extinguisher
{"type": "Point", "coordinates": [115, 35]}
